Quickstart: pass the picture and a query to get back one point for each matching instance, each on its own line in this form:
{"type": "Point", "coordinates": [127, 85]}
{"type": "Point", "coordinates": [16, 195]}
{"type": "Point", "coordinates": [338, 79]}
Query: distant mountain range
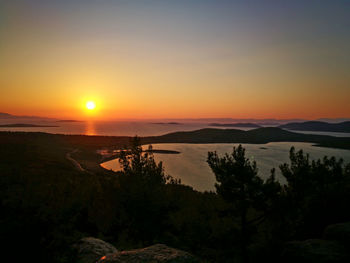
{"type": "Point", "coordinates": [318, 126]}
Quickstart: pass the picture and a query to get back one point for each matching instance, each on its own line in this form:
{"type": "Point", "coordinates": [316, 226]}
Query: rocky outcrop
{"type": "Point", "coordinates": [158, 253]}
{"type": "Point", "coordinates": [333, 248]}
{"type": "Point", "coordinates": [339, 232]}
{"type": "Point", "coordinates": [90, 250]}
{"type": "Point", "coordinates": [314, 250]}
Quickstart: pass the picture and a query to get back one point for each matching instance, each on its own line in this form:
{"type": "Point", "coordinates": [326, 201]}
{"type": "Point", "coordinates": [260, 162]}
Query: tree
{"type": "Point", "coordinates": [136, 162]}
{"type": "Point", "coordinates": [317, 192]}
{"type": "Point", "coordinates": [142, 194]}
{"type": "Point", "coordinates": [238, 183]}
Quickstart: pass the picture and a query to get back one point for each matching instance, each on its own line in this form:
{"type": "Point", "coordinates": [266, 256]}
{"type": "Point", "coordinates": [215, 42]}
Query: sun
{"type": "Point", "coordinates": [90, 105]}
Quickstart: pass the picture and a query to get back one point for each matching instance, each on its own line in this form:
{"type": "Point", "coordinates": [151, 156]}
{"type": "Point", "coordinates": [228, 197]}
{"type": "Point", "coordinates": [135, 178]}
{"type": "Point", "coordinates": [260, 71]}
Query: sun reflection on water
{"type": "Point", "coordinates": [90, 128]}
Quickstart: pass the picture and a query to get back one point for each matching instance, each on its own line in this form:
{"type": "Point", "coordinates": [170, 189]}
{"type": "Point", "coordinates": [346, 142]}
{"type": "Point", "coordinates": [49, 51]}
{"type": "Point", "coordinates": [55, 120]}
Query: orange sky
{"type": "Point", "coordinates": [174, 60]}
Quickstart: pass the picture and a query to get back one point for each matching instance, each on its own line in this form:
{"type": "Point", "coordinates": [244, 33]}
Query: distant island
{"type": "Point", "coordinates": [165, 123]}
{"type": "Point", "coordinates": [68, 121]}
{"type": "Point", "coordinates": [317, 126]}
{"type": "Point", "coordinates": [246, 125]}
{"type": "Point", "coordinates": [26, 125]}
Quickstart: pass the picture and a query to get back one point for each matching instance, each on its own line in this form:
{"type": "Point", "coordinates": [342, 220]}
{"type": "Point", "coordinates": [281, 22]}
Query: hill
{"type": "Point", "coordinates": [260, 135]}
{"type": "Point", "coordinates": [318, 126]}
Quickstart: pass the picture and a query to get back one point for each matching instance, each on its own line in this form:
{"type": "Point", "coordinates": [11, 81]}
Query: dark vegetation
{"type": "Point", "coordinates": [47, 205]}
{"type": "Point", "coordinates": [318, 126]}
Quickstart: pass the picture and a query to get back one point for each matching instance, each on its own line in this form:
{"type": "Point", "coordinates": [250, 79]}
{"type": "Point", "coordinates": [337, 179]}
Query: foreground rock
{"type": "Point", "coordinates": [338, 232]}
{"type": "Point", "coordinates": [153, 254]}
{"type": "Point", "coordinates": [314, 250]}
{"type": "Point", "coordinates": [333, 248]}
{"type": "Point", "coordinates": [90, 249]}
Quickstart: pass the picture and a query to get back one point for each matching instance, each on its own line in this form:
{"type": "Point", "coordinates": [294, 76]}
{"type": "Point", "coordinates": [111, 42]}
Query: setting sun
{"type": "Point", "coordinates": [90, 105]}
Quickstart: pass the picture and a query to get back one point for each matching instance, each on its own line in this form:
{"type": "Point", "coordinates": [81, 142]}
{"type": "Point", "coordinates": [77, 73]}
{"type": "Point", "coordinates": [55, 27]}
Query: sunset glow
{"type": "Point", "coordinates": [217, 127]}
{"type": "Point", "coordinates": [90, 105]}
{"type": "Point", "coordinates": [175, 59]}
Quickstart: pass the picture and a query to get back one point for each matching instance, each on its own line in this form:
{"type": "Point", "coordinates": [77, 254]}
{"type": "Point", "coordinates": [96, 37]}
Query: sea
{"type": "Point", "coordinates": [190, 164]}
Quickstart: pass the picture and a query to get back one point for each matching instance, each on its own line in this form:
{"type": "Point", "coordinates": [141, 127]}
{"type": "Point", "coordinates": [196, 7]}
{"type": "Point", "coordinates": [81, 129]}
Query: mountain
{"type": "Point", "coordinates": [243, 124]}
{"type": "Point", "coordinates": [318, 126]}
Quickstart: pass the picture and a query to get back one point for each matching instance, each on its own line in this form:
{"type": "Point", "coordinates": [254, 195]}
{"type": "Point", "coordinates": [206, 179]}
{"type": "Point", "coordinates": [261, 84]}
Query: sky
{"type": "Point", "coordinates": [175, 59]}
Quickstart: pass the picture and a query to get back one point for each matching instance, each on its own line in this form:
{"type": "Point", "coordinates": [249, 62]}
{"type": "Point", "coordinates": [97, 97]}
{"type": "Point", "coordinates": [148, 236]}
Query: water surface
{"type": "Point", "coordinates": [191, 167]}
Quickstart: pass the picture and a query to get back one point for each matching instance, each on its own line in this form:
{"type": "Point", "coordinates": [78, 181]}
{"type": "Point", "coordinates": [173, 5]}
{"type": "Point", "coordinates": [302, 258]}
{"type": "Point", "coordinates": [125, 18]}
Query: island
{"type": "Point", "coordinates": [166, 123]}
{"type": "Point", "coordinates": [317, 126]}
{"type": "Point", "coordinates": [68, 121]}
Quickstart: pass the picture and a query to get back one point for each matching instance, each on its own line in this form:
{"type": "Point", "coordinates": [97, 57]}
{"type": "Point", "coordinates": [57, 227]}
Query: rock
{"type": "Point", "coordinates": [338, 232]}
{"type": "Point", "coordinates": [314, 250]}
{"type": "Point", "coordinates": [90, 249]}
{"type": "Point", "coordinates": [153, 254]}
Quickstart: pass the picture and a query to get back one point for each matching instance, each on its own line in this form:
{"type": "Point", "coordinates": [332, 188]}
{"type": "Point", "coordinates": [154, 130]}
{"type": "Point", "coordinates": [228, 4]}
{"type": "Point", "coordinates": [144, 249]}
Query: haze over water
{"type": "Point", "coordinates": [128, 128]}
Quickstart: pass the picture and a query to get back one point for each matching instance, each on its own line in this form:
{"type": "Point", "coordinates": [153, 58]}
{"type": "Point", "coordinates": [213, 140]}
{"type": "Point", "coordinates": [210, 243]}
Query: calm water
{"type": "Point", "coordinates": [191, 167]}
{"type": "Point", "coordinates": [110, 128]}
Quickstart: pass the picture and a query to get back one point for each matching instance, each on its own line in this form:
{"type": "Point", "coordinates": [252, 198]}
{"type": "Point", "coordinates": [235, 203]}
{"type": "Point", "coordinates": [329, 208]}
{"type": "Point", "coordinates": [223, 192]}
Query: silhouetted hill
{"type": "Point", "coordinates": [246, 125]}
{"type": "Point", "coordinates": [260, 135]}
{"type": "Point", "coordinates": [318, 126]}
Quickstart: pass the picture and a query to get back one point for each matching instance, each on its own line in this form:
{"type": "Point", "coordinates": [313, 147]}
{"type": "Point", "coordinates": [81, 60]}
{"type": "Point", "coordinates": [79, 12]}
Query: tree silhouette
{"type": "Point", "coordinates": [239, 184]}
{"type": "Point", "coordinates": [317, 192]}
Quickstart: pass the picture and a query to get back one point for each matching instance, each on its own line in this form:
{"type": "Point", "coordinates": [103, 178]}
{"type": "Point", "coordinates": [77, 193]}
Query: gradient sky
{"type": "Point", "coordinates": [175, 59]}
